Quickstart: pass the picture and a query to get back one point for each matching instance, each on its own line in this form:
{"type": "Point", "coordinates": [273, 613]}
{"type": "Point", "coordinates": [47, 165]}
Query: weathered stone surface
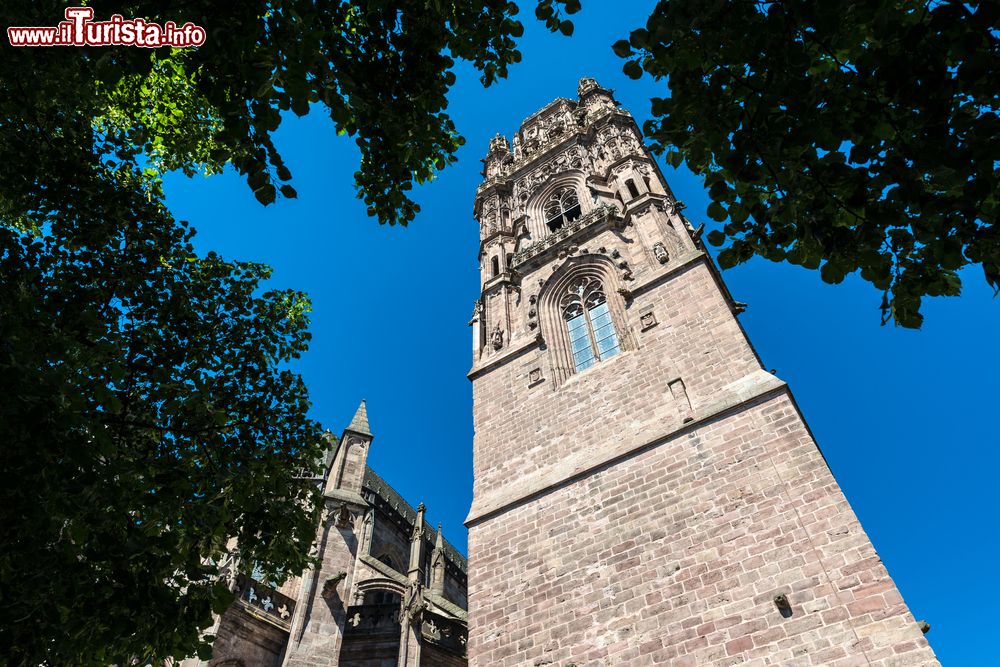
{"type": "Point", "coordinates": [650, 508]}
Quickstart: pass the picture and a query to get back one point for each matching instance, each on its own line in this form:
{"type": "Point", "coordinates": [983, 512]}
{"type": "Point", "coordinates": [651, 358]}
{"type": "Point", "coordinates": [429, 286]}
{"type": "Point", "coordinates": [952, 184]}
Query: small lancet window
{"type": "Point", "coordinates": [496, 266]}
{"type": "Point", "coordinates": [591, 332]}
{"type": "Point", "coordinates": [561, 208]}
{"type": "Point", "coordinates": [632, 190]}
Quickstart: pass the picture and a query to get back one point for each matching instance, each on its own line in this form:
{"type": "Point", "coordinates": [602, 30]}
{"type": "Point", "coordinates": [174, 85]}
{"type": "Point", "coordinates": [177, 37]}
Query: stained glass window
{"type": "Point", "coordinates": [591, 332]}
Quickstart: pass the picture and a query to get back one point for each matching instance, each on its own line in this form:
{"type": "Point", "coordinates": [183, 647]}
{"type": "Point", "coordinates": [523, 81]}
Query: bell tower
{"type": "Point", "coordinates": [645, 492]}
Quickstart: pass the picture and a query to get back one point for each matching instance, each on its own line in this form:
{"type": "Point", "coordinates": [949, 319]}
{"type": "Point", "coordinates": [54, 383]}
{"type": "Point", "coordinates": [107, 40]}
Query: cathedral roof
{"type": "Point", "coordinates": [391, 497]}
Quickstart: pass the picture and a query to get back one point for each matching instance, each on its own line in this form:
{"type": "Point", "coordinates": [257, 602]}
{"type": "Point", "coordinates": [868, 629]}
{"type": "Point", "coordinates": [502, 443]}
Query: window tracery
{"type": "Point", "coordinates": [591, 330]}
{"type": "Point", "coordinates": [561, 208]}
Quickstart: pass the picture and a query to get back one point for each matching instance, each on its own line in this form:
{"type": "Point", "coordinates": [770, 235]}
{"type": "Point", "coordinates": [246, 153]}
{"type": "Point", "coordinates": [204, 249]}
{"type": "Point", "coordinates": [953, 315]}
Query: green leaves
{"type": "Point", "coordinates": [151, 421]}
{"type": "Point", "coordinates": [622, 48]}
{"type": "Point", "coordinates": [717, 212]}
{"type": "Point", "coordinates": [153, 399]}
{"type": "Point", "coordinates": [716, 238]}
{"type": "Point", "coordinates": [549, 12]}
{"type": "Point", "coordinates": [848, 137]}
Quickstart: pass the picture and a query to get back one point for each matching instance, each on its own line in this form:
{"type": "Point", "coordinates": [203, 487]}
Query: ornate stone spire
{"type": "Point", "coordinates": [586, 85]}
{"type": "Point", "coordinates": [439, 542]}
{"type": "Point", "coordinates": [359, 424]}
{"type": "Point", "coordinates": [498, 144]}
{"type": "Point", "coordinates": [437, 564]}
{"type": "Point", "coordinates": [415, 569]}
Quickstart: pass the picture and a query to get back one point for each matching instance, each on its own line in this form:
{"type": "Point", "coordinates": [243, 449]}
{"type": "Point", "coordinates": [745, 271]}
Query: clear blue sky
{"type": "Point", "coordinates": [905, 418]}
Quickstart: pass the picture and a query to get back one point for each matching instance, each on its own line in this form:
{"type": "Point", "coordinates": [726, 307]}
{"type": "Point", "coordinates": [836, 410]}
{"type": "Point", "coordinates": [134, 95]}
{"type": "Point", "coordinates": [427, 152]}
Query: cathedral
{"type": "Point", "coordinates": [389, 589]}
{"type": "Point", "coordinates": [645, 492]}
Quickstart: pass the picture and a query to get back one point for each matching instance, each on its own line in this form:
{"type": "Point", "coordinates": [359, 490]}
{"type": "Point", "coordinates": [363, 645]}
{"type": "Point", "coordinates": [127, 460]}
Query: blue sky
{"type": "Point", "coordinates": [904, 418]}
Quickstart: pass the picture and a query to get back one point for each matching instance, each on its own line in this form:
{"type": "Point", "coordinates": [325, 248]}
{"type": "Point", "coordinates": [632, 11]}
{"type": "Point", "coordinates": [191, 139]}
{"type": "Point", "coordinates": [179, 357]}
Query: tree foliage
{"type": "Point", "coordinates": [845, 136]}
{"type": "Point", "coordinates": [149, 418]}
{"type": "Point", "coordinates": [146, 422]}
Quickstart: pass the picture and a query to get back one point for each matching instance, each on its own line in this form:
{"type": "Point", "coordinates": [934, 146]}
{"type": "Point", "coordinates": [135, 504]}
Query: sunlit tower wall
{"type": "Point", "coordinates": [645, 491]}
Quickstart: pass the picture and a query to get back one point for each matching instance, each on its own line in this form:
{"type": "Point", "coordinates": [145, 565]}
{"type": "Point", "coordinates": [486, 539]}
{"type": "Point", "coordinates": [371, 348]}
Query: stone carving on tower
{"type": "Point", "coordinates": [577, 169]}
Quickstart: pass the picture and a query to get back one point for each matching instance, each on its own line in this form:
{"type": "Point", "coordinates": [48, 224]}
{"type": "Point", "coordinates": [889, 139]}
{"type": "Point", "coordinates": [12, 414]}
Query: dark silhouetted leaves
{"type": "Point", "coordinates": [850, 136]}
{"type": "Point", "coordinates": [148, 418]}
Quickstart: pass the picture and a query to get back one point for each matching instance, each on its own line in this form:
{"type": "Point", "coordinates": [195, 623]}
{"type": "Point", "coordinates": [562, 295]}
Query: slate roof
{"type": "Point", "coordinates": [380, 487]}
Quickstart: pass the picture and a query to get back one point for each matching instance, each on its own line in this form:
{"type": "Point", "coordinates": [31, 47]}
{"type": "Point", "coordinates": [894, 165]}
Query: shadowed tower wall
{"type": "Point", "coordinates": [645, 492]}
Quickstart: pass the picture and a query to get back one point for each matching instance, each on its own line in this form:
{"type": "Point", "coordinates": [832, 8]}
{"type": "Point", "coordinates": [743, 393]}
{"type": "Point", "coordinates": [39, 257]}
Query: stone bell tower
{"type": "Point", "coordinates": [645, 492]}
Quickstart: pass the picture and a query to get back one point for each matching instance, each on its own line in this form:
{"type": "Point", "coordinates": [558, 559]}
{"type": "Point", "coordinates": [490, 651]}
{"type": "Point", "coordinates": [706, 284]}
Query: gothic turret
{"type": "Point", "coordinates": [348, 467]}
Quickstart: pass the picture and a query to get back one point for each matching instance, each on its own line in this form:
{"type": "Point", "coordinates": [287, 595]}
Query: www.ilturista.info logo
{"type": "Point", "coordinates": [79, 29]}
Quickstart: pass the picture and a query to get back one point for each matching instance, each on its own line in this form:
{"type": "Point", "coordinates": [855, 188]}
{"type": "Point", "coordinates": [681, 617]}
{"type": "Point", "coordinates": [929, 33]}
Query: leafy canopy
{"type": "Point", "coordinates": [844, 135]}
{"type": "Point", "coordinates": [149, 420]}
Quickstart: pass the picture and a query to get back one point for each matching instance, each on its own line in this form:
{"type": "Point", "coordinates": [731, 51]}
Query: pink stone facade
{"type": "Point", "coordinates": [662, 505]}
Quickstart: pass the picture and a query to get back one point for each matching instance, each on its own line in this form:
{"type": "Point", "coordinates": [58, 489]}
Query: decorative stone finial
{"type": "Point", "coordinates": [587, 84]}
{"type": "Point", "coordinates": [498, 144]}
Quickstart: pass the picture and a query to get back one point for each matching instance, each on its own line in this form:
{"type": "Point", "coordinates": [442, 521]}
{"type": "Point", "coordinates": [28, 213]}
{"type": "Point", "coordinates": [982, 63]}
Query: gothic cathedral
{"type": "Point", "coordinates": [645, 492]}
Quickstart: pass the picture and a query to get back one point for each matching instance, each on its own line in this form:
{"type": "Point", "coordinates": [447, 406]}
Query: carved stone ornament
{"type": "Point", "coordinates": [535, 376]}
{"type": "Point", "coordinates": [229, 568]}
{"type": "Point", "coordinates": [412, 605]}
{"type": "Point", "coordinates": [623, 265]}
{"type": "Point", "coordinates": [647, 320]}
{"type": "Point", "coordinates": [586, 85]}
{"type": "Point", "coordinates": [497, 338]}
{"type": "Point", "coordinates": [342, 517]}
{"type": "Point", "coordinates": [660, 252]}
{"type": "Point", "coordinates": [477, 312]}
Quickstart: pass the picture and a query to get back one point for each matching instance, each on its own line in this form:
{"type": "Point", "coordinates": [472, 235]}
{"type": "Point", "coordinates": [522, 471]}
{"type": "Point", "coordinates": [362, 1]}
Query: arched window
{"type": "Point", "coordinates": [632, 190]}
{"type": "Point", "coordinates": [591, 332]}
{"type": "Point", "coordinates": [496, 266]}
{"type": "Point", "coordinates": [561, 208]}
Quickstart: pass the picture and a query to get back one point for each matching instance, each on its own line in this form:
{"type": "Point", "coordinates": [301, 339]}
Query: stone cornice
{"type": "Point", "coordinates": [542, 248]}
{"type": "Point", "coordinates": [347, 497]}
{"type": "Point", "coordinates": [500, 358]}
{"type": "Point", "coordinates": [509, 278]}
{"type": "Point", "coordinates": [734, 398]}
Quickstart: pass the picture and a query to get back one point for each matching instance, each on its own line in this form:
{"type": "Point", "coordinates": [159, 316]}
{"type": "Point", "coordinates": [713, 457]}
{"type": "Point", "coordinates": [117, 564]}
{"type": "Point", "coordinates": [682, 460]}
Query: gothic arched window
{"type": "Point", "coordinates": [561, 208]}
{"type": "Point", "coordinates": [591, 332]}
